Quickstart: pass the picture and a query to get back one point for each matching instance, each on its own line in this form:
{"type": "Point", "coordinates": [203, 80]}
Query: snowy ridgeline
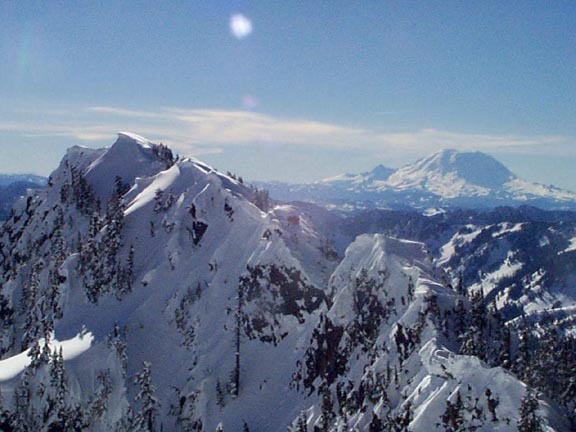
{"type": "Point", "coordinates": [144, 292]}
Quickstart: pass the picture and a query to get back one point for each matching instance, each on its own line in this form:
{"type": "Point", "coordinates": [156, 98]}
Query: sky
{"type": "Point", "coordinates": [293, 90]}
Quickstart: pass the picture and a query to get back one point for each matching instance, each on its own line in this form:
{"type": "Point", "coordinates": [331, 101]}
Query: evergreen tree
{"type": "Point", "coordinates": [260, 198]}
{"type": "Point", "coordinates": [30, 304]}
{"type": "Point", "coordinates": [235, 384]}
{"type": "Point", "coordinates": [99, 402]}
{"type": "Point", "coordinates": [567, 374]}
{"type": "Point", "coordinates": [492, 404]}
{"type": "Point", "coordinates": [411, 289]}
{"type": "Point", "coordinates": [403, 420]}
{"type": "Point", "coordinates": [453, 417]}
{"type": "Point", "coordinates": [6, 322]}
{"type": "Point", "coordinates": [23, 418]}
{"type": "Point", "coordinates": [523, 362]}
{"type": "Point", "coordinates": [529, 420]}
{"type": "Point", "coordinates": [219, 394]}
{"type": "Point", "coordinates": [301, 423]}
{"type": "Point", "coordinates": [6, 418]}
{"type": "Point", "coordinates": [460, 289]}
{"type": "Point", "coordinates": [58, 379]}
{"type": "Point", "coordinates": [547, 362]}
{"type": "Point", "coordinates": [327, 406]}
{"type": "Point", "coordinates": [376, 425]}
{"type": "Point", "coordinates": [145, 420]}
{"type": "Point", "coordinates": [117, 341]}
{"type": "Point", "coordinates": [474, 338]}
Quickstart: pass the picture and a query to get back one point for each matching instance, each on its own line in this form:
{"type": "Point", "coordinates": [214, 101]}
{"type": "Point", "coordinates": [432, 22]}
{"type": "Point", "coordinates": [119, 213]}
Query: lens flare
{"type": "Point", "coordinates": [240, 26]}
{"type": "Point", "coordinates": [249, 102]}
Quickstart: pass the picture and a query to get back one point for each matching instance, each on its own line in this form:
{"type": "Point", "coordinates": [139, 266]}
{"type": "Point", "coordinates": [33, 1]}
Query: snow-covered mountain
{"type": "Point", "coordinates": [378, 174]}
{"type": "Point", "coordinates": [522, 258]}
{"type": "Point", "coordinates": [6, 179]}
{"type": "Point", "coordinates": [447, 178]}
{"type": "Point", "coordinates": [140, 292]}
{"type": "Point", "coordinates": [14, 186]}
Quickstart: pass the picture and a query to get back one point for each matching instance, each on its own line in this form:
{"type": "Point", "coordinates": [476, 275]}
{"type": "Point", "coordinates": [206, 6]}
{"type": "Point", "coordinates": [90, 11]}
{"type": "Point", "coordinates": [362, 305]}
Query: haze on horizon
{"type": "Point", "coordinates": [296, 90]}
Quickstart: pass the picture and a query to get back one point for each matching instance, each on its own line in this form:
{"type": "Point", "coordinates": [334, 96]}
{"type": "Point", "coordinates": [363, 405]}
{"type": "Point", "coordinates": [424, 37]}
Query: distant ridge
{"type": "Point", "coordinates": [14, 186]}
{"type": "Point", "coordinates": [6, 179]}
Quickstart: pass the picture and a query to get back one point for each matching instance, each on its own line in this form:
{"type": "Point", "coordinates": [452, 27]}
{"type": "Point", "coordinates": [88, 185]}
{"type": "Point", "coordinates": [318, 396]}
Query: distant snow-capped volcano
{"type": "Point", "coordinates": [450, 174]}
{"type": "Point", "coordinates": [445, 178]}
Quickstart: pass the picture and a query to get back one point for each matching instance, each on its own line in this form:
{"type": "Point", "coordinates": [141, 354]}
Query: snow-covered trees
{"type": "Point", "coordinates": [58, 380]}
{"type": "Point", "coordinates": [529, 421]}
{"type": "Point", "coordinates": [235, 376]}
{"type": "Point", "coordinates": [474, 337]}
{"type": "Point", "coordinates": [145, 418]}
{"type": "Point", "coordinates": [105, 269]}
{"type": "Point", "coordinates": [260, 198]}
{"type": "Point", "coordinates": [164, 153]}
{"type": "Point", "coordinates": [116, 341]}
{"type": "Point", "coordinates": [76, 191]}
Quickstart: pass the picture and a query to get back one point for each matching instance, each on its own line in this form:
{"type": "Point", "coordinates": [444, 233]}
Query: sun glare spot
{"type": "Point", "coordinates": [240, 26]}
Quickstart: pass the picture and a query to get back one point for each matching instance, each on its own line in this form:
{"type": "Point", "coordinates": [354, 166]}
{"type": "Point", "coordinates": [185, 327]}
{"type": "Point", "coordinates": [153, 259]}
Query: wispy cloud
{"type": "Point", "coordinates": [201, 131]}
{"type": "Point", "coordinates": [426, 139]}
{"type": "Point", "coordinates": [122, 112]}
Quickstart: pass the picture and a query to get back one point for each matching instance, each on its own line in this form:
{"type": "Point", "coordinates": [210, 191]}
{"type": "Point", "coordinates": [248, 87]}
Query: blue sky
{"type": "Point", "coordinates": [314, 89]}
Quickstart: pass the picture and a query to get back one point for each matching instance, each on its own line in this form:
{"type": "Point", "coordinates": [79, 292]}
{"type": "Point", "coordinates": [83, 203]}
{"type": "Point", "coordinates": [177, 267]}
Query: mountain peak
{"type": "Point", "coordinates": [129, 157]}
{"type": "Point", "coordinates": [129, 138]}
{"type": "Point", "coordinates": [474, 168]}
{"type": "Point", "coordinates": [380, 172]}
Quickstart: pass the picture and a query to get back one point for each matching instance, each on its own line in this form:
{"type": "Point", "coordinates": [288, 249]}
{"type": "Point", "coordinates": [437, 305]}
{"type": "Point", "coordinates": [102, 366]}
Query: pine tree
{"type": "Point", "coordinates": [376, 425]}
{"type": "Point", "coordinates": [145, 420]}
{"type": "Point", "coordinates": [6, 417]}
{"type": "Point", "coordinates": [6, 321]}
{"type": "Point", "coordinates": [404, 419]}
{"type": "Point", "coordinates": [99, 402]}
{"type": "Point", "coordinates": [529, 420]}
{"type": "Point", "coordinates": [116, 340]}
{"type": "Point", "coordinates": [158, 200]}
{"type": "Point", "coordinates": [492, 404]}
{"type": "Point", "coordinates": [460, 289]}
{"type": "Point", "coordinates": [523, 362]}
{"type": "Point", "coordinates": [567, 374]}
{"type": "Point", "coordinates": [235, 384]}
{"type": "Point", "coordinates": [260, 198]}
{"type": "Point", "coordinates": [452, 417]}
{"type": "Point", "coordinates": [301, 423]}
{"type": "Point", "coordinates": [474, 340]}
{"type": "Point", "coordinates": [459, 319]}
{"type": "Point", "coordinates": [58, 377]}
{"type": "Point", "coordinates": [23, 418]}
{"type": "Point", "coordinates": [219, 394]}
{"type": "Point", "coordinates": [30, 306]}
{"type": "Point", "coordinates": [327, 406]}
{"type": "Point", "coordinates": [411, 289]}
